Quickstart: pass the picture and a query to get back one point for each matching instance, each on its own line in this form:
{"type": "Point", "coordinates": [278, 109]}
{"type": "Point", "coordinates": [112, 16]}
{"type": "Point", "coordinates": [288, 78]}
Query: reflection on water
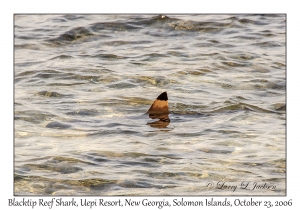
{"type": "Point", "coordinates": [159, 124]}
{"type": "Point", "coordinates": [83, 84]}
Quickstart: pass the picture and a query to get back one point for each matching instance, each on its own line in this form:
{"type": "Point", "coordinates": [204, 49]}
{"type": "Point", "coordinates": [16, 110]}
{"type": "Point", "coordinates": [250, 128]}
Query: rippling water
{"type": "Point", "coordinates": [84, 82]}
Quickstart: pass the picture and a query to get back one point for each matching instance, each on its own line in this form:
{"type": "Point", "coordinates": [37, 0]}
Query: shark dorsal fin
{"type": "Point", "coordinates": [159, 108]}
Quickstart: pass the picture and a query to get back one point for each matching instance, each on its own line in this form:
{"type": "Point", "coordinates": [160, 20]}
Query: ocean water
{"type": "Point", "coordinates": [83, 83]}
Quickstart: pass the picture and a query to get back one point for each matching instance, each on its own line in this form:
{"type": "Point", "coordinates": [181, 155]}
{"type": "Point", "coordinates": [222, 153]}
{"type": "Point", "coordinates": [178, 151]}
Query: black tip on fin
{"type": "Point", "coordinates": [163, 96]}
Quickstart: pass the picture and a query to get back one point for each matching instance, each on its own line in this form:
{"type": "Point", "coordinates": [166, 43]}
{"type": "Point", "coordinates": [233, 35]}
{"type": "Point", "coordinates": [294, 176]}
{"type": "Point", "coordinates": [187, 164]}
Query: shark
{"type": "Point", "coordinates": [159, 110]}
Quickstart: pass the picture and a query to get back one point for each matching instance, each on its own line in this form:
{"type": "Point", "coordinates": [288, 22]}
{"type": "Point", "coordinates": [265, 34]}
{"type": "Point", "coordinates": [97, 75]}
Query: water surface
{"type": "Point", "coordinates": [84, 82]}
